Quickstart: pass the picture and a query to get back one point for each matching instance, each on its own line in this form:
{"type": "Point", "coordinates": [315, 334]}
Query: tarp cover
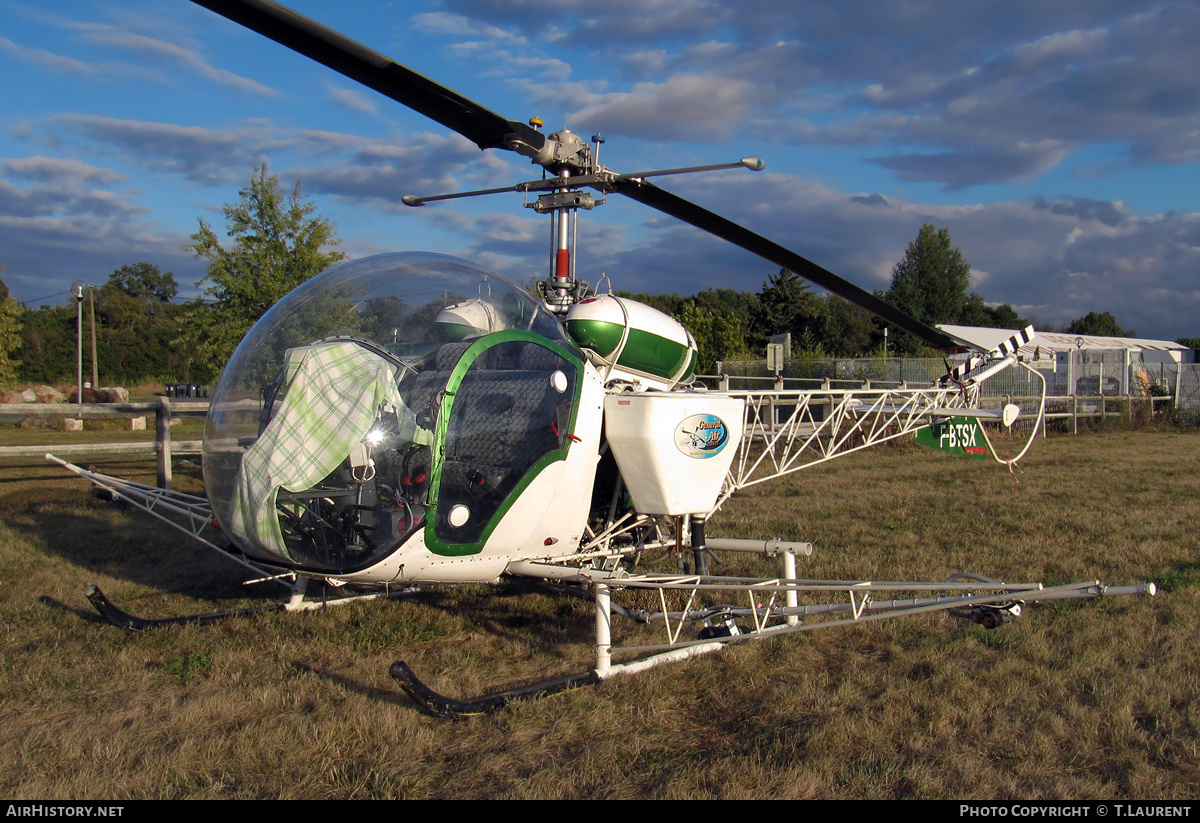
{"type": "Point", "coordinates": [333, 394]}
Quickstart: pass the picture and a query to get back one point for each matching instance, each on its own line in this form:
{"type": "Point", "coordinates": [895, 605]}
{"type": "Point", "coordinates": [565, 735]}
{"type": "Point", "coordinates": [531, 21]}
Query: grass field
{"type": "Point", "coordinates": [1075, 700]}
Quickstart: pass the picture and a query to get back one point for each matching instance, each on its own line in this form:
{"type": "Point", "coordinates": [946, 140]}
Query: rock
{"type": "Point", "coordinates": [89, 395]}
{"type": "Point", "coordinates": [116, 394]}
{"type": "Point", "coordinates": [49, 394]}
{"type": "Point", "coordinates": [72, 425]}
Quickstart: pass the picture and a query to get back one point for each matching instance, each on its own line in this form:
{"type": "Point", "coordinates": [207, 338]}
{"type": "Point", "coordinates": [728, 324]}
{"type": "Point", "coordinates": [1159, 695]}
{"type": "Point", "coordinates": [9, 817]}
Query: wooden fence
{"type": "Point", "coordinates": [161, 446]}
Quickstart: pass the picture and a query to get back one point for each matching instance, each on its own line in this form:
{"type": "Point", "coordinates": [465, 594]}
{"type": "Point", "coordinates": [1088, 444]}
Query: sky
{"type": "Point", "coordinates": [1058, 142]}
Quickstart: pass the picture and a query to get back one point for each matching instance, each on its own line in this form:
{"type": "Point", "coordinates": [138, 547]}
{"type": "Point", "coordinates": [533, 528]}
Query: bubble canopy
{"type": "Point", "coordinates": [400, 308]}
{"type": "Point", "coordinates": [393, 300]}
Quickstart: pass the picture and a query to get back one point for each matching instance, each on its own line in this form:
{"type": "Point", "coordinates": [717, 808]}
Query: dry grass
{"type": "Point", "coordinates": [1098, 700]}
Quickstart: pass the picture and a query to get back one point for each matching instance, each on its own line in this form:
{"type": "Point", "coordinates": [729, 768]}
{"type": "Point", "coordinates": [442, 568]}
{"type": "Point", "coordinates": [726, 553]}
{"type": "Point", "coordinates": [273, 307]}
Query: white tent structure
{"type": "Point", "coordinates": [1089, 364]}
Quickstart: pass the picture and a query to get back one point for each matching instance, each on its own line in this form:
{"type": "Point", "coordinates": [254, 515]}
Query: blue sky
{"type": "Point", "coordinates": [1057, 141]}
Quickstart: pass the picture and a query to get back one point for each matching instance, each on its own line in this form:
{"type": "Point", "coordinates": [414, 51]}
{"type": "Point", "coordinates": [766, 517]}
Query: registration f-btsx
{"type": "Point", "coordinates": [412, 419]}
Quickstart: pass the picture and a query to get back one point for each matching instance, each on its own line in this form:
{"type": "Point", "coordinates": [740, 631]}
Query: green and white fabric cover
{"type": "Point", "coordinates": [333, 394]}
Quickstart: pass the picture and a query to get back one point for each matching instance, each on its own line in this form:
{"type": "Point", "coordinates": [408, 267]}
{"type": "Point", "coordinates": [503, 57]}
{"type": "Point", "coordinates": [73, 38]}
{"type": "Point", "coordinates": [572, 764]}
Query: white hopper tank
{"type": "Point", "coordinates": [674, 449]}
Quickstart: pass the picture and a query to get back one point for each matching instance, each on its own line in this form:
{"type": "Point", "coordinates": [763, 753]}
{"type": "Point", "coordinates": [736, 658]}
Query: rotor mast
{"type": "Point", "coordinates": [565, 154]}
{"type": "Point", "coordinates": [570, 165]}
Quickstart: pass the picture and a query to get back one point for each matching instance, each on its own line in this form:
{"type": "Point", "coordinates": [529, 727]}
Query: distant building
{"type": "Point", "coordinates": [1049, 344]}
{"type": "Point", "coordinates": [1086, 364]}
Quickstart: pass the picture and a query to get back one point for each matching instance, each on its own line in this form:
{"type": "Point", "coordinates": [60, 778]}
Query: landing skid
{"type": "Point", "coordinates": [123, 619]}
{"type": "Point", "coordinates": [450, 708]}
{"type": "Point", "coordinates": [772, 610]}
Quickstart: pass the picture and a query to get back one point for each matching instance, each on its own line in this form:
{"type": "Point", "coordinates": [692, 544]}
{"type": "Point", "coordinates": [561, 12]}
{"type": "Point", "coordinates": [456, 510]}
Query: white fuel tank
{"type": "Point", "coordinates": [628, 340]}
{"type": "Point", "coordinates": [470, 318]}
{"type": "Point", "coordinates": [674, 449]}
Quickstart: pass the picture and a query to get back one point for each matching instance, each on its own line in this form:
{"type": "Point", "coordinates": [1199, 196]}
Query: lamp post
{"type": "Point", "coordinates": [77, 289]}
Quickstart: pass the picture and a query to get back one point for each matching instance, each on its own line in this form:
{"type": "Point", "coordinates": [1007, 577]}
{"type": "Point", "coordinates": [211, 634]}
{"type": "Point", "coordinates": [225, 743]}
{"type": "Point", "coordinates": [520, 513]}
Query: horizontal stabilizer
{"type": "Point", "coordinates": [1006, 348]}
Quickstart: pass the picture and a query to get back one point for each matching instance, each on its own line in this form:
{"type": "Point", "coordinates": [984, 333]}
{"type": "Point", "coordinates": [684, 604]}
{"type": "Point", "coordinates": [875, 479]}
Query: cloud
{"type": "Point", "coordinates": [62, 187]}
{"type": "Point", "coordinates": [589, 23]}
{"type": "Point", "coordinates": [44, 255]}
{"type": "Point", "coordinates": [354, 100]}
{"type": "Point", "coordinates": [985, 165]}
{"type": "Point", "coordinates": [55, 169]}
{"type": "Point", "coordinates": [1106, 212]}
{"type": "Point", "coordinates": [963, 96]}
{"type": "Point", "coordinates": [379, 173]}
{"type": "Point", "coordinates": [870, 199]}
{"type": "Point", "coordinates": [42, 202]}
{"type": "Point", "coordinates": [685, 106]}
{"type": "Point", "coordinates": [202, 155]}
{"type": "Point", "coordinates": [59, 229]}
{"type": "Point", "coordinates": [173, 56]}
{"type": "Point", "coordinates": [440, 22]}
{"type": "Point", "coordinates": [47, 60]}
{"type": "Point", "coordinates": [161, 54]}
{"type": "Point", "coordinates": [373, 170]}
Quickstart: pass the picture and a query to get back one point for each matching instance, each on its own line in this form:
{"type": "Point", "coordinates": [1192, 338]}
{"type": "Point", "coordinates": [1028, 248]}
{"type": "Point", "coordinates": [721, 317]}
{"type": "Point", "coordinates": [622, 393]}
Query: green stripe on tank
{"type": "Point", "coordinates": [644, 351]}
{"type": "Point", "coordinates": [455, 332]}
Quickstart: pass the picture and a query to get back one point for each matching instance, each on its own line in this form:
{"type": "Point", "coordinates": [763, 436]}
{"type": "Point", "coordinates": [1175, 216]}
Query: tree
{"type": "Point", "coordinates": [931, 282]}
{"type": "Point", "coordinates": [785, 305]}
{"type": "Point", "coordinates": [978, 313]}
{"type": "Point", "coordinates": [278, 244]}
{"type": "Point", "coordinates": [137, 325]}
{"type": "Point", "coordinates": [10, 335]}
{"type": "Point", "coordinates": [718, 336]}
{"type": "Point", "coordinates": [1099, 324]}
{"type": "Point", "coordinates": [48, 345]}
{"type": "Point", "coordinates": [144, 280]}
{"type": "Point", "coordinates": [847, 330]}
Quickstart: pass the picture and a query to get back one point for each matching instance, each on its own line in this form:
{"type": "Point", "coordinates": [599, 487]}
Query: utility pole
{"type": "Point", "coordinates": [92, 309]}
{"type": "Point", "coordinates": [77, 290]}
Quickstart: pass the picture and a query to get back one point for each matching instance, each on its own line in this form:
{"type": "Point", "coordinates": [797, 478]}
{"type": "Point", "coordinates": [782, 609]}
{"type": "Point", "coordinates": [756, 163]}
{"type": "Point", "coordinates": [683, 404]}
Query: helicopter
{"type": "Point", "coordinates": [412, 418]}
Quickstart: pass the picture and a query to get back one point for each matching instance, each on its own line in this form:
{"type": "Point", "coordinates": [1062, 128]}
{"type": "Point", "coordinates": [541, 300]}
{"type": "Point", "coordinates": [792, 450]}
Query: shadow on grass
{"type": "Point", "coordinates": [396, 698]}
{"type": "Point", "coordinates": [62, 520]}
{"type": "Point", "coordinates": [132, 547]}
{"type": "Point", "coordinates": [89, 616]}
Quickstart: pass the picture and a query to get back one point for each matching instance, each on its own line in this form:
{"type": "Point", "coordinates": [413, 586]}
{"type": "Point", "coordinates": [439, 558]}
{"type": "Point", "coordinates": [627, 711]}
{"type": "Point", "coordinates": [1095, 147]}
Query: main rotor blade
{"type": "Point", "coordinates": [482, 126]}
{"type": "Point", "coordinates": [489, 130]}
{"type": "Point", "coordinates": [714, 224]}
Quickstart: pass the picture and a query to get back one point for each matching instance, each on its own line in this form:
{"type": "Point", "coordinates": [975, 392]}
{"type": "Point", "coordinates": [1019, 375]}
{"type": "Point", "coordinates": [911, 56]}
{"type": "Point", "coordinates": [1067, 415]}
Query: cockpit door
{"type": "Point", "coordinates": [507, 412]}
